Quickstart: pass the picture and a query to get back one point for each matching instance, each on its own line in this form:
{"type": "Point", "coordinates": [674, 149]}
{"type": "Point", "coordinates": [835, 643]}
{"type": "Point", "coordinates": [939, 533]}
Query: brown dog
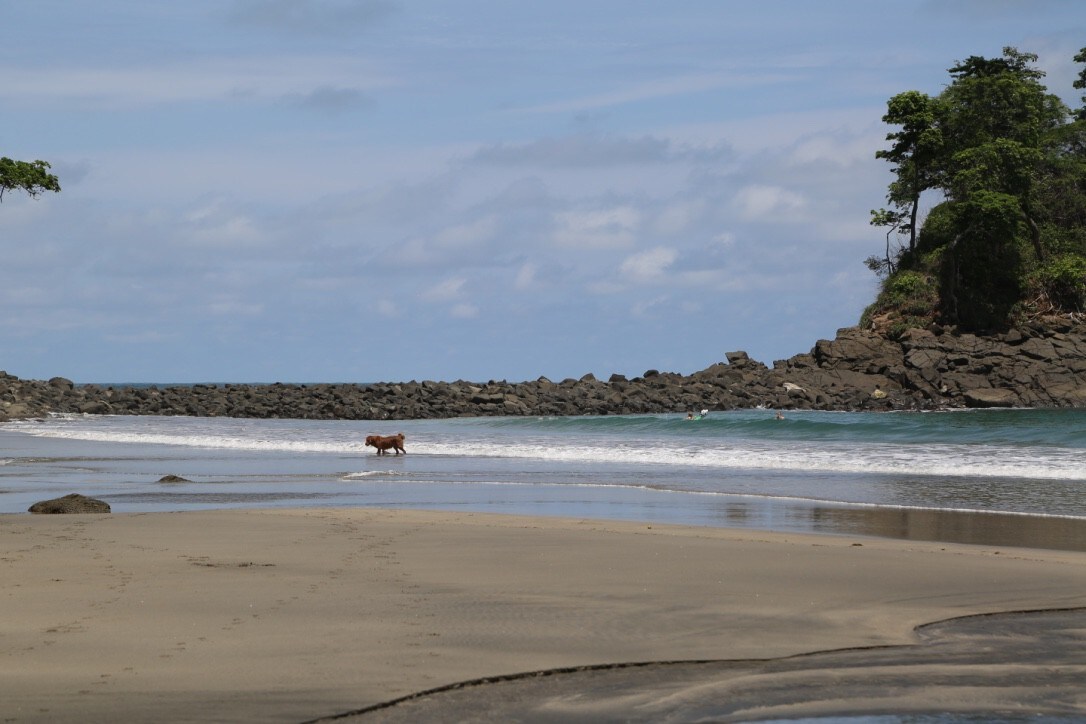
{"type": "Point", "coordinates": [386, 443]}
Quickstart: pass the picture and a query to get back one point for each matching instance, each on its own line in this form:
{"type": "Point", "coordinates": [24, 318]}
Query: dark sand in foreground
{"type": "Point", "coordinates": [292, 615]}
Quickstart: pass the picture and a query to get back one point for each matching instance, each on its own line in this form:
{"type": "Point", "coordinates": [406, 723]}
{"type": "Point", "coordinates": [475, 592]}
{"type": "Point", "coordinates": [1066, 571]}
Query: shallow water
{"type": "Point", "coordinates": [1017, 475]}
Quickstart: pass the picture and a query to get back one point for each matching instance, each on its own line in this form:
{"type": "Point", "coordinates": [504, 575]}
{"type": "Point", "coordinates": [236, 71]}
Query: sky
{"type": "Point", "coordinates": [394, 190]}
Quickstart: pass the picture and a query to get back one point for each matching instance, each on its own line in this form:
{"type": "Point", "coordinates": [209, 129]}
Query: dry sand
{"type": "Point", "coordinates": [293, 615]}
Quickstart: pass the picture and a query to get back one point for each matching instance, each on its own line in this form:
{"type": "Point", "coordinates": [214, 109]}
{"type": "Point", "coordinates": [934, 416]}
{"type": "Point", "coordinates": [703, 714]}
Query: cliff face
{"type": "Point", "coordinates": [1042, 365]}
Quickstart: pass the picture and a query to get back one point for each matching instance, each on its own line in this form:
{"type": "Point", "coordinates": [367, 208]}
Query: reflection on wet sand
{"type": "Point", "coordinates": [926, 524]}
{"type": "Point", "coordinates": [977, 528]}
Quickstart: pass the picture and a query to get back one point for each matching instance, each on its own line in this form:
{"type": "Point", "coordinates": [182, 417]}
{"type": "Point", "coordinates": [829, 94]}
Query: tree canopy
{"type": "Point", "coordinates": [33, 177]}
{"type": "Point", "coordinates": [1004, 162]}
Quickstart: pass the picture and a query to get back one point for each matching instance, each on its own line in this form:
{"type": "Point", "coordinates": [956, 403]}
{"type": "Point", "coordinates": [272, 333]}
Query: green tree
{"type": "Point", "coordinates": [33, 177]}
{"type": "Point", "coordinates": [1007, 161]}
{"type": "Point", "coordinates": [998, 112]}
{"type": "Point", "coordinates": [916, 147]}
{"type": "Point", "coordinates": [1080, 83]}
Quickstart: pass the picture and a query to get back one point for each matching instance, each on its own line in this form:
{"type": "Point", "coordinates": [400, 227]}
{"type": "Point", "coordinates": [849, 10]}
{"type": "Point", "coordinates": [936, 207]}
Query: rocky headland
{"type": "Point", "coordinates": [1042, 364]}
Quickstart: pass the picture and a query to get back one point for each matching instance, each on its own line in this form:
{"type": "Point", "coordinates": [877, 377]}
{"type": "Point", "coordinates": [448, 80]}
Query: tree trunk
{"type": "Point", "coordinates": [912, 223]}
{"type": "Point", "coordinates": [949, 292]}
{"type": "Point", "coordinates": [1035, 237]}
{"type": "Point", "coordinates": [915, 208]}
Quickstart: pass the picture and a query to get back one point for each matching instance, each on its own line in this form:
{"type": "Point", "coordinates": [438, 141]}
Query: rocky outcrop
{"type": "Point", "coordinates": [73, 503]}
{"type": "Point", "coordinates": [1041, 365]}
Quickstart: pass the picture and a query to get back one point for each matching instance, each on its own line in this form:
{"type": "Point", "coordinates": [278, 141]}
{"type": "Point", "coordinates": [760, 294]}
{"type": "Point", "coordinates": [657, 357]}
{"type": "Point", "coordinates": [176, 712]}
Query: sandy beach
{"type": "Point", "coordinates": [294, 615]}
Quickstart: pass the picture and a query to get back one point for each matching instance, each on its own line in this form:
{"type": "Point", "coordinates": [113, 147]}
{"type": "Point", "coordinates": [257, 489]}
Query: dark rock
{"type": "Point", "coordinates": [73, 503]}
{"type": "Point", "coordinates": [173, 479]}
{"type": "Point", "coordinates": [990, 397]}
{"type": "Point", "coordinates": [1014, 337]}
{"type": "Point", "coordinates": [96, 407]}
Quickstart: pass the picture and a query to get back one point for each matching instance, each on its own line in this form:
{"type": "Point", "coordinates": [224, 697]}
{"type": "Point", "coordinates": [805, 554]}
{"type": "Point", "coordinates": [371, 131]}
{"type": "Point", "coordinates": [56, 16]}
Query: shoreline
{"type": "Point", "coordinates": [741, 512]}
{"type": "Point", "coordinates": [746, 514]}
{"type": "Point", "coordinates": [130, 479]}
{"type": "Point", "coordinates": [292, 614]}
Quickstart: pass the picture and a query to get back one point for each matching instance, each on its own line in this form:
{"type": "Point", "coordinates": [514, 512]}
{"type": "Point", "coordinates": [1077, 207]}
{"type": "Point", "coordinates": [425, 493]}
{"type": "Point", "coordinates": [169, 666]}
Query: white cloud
{"type": "Point", "coordinates": [609, 228]}
{"type": "Point", "coordinates": [604, 287]}
{"type": "Point", "coordinates": [150, 336]}
{"type": "Point", "coordinates": [760, 202]}
{"type": "Point", "coordinates": [779, 131]}
{"type": "Point", "coordinates": [230, 307]}
{"type": "Point", "coordinates": [525, 278]}
{"type": "Point", "coordinates": [678, 216]}
{"type": "Point", "coordinates": [21, 211]}
{"type": "Point", "coordinates": [650, 265]}
{"type": "Point", "coordinates": [656, 89]}
{"type": "Point", "coordinates": [837, 148]}
{"type": "Point", "coordinates": [725, 239]}
{"type": "Point", "coordinates": [234, 231]}
{"type": "Point", "coordinates": [272, 77]}
{"type": "Point", "coordinates": [445, 291]}
{"type": "Point", "coordinates": [648, 307]}
{"type": "Point", "coordinates": [330, 99]}
{"type": "Point", "coordinates": [463, 310]}
{"type": "Point", "coordinates": [315, 17]}
{"type": "Point", "coordinates": [468, 233]}
{"type": "Point", "coordinates": [691, 307]}
{"type": "Point", "coordinates": [578, 150]}
{"type": "Point", "coordinates": [217, 223]}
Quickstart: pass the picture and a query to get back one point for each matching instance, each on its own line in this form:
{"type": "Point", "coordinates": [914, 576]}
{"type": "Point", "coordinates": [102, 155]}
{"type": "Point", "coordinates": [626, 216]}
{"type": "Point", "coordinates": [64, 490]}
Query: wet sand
{"type": "Point", "coordinates": [292, 615]}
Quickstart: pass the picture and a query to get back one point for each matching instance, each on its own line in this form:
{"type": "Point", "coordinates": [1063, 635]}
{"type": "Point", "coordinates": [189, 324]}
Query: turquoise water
{"type": "Point", "coordinates": [811, 471]}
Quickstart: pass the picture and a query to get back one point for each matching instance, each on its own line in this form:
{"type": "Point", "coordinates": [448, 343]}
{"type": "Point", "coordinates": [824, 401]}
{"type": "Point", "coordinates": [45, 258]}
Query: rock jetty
{"type": "Point", "coordinates": [1039, 365]}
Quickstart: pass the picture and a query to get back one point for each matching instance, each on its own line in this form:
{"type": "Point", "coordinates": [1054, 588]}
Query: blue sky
{"type": "Point", "coordinates": [383, 190]}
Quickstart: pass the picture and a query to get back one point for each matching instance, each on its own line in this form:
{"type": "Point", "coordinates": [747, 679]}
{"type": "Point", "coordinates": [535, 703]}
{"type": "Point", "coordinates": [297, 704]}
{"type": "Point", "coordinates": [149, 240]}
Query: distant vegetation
{"type": "Point", "coordinates": [1004, 162]}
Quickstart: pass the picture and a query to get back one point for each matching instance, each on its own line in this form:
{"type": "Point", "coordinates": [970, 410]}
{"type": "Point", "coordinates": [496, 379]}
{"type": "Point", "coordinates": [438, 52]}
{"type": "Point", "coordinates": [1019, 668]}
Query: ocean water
{"type": "Point", "coordinates": [983, 476]}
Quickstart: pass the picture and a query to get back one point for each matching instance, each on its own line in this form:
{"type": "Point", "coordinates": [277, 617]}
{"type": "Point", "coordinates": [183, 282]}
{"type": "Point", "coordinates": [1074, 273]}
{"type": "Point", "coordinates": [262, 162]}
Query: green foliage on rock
{"type": "Point", "coordinates": [907, 300]}
{"type": "Point", "coordinates": [1006, 161]}
{"type": "Point", "coordinates": [1060, 284]}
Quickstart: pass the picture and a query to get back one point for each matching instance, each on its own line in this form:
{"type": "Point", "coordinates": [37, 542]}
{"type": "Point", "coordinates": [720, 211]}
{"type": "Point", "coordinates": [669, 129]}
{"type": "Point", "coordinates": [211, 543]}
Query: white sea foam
{"type": "Point", "coordinates": [723, 453]}
{"type": "Point", "coordinates": [373, 474]}
{"type": "Point", "coordinates": [192, 437]}
{"type": "Point", "coordinates": [940, 460]}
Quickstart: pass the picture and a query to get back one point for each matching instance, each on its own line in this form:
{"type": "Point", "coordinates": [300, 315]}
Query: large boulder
{"type": "Point", "coordinates": [73, 503]}
{"type": "Point", "coordinates": [990, 397]}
